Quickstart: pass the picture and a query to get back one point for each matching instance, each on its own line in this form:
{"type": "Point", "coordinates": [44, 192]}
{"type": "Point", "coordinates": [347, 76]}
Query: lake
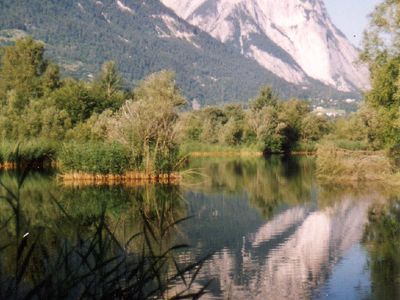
{"type": "Point", "coordinates": [268, 228]}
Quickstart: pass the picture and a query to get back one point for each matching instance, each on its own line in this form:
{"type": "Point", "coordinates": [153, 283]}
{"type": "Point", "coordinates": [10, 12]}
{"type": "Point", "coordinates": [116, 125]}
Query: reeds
{"type": "Point", "coordinates": [127, 179]}
{"type": "Point", "coordinates": [94, 158]}
{"type": "Point", "coordinates": [340, 165]}
{"type": "Point", "coordinates": [38, 154]}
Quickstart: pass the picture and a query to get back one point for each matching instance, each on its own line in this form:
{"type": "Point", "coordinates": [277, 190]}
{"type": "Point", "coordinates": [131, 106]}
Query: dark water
{"type": "Point", "coordinates": [272, 230]}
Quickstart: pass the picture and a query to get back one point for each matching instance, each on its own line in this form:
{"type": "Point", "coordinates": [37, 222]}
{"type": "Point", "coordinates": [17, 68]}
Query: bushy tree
{"type": "Point", "coordinates": [146, 124]}
{"type": "Point", "coordinates": [21, 70]}
{"type": "Point", "coordinates": [265, 98]}
{"type": "Point", "coordinates": [381, 51]}
{"type": "Point", "coordinates": [314, 127]}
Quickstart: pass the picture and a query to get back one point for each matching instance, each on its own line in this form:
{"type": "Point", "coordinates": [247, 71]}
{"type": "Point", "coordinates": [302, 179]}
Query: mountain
{"type": "Point", "coordinates": [294, 39]}
{"type": "Point", "coordinates": [143, 37]}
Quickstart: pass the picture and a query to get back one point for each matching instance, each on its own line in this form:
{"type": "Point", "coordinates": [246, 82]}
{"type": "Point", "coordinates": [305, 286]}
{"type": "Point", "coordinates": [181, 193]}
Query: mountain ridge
{"type": "Point", "coordinates": [285, 37]}
{"type": "Point", "coordinates": [145, 37]}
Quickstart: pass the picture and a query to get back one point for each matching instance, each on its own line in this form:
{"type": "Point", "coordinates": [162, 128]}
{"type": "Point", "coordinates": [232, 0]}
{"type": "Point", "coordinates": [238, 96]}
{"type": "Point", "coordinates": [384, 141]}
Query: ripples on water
{"type": "Point", "coordinates": [273, 231]}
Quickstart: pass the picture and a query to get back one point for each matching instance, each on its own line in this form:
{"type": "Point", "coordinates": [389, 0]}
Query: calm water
{"type": "Point", "coordinates": [272, 231]}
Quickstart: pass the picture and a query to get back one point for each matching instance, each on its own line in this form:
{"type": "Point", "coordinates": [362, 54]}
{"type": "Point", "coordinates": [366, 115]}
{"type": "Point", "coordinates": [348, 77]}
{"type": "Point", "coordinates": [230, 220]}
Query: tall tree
{"type": "Point", "coordinates": [147, 124]}
{"type": "Point", "coordinates": [381, 50]}
{"type": "Point", "coordinates": [22, 66]}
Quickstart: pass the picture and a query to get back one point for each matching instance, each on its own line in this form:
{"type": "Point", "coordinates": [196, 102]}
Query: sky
{"type": "Point", "coordinates": [351, 16]}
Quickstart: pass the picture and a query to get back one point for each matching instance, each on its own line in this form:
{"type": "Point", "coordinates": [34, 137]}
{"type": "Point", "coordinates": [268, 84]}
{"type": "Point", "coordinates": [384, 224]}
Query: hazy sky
{"type": "Point", "coordinates": [350, 16]}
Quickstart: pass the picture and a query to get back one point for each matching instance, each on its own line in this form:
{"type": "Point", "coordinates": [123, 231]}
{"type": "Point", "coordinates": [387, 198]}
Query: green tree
{"type": "Point", "coordinates": [314, 127]}
{"type": "Point", "coordinates": [108, 87]}
{"type": "Point", "coordinates": [381, 51]}
{"type": "Point", "coordinates": [21, 70]}
{"type": "Point", "coordinates": [147, 124]}
{"type": "Point", "coordinates": [266, 97]}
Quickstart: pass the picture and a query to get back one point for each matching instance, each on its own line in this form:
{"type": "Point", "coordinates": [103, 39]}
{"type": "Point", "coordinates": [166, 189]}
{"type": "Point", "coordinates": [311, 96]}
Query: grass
{"type": "Point", "coordinates": [35, 154]}
{"type": "Point", "coordinates": [94, 158]}
{"type": "Point", "coordinates": [304, 147]}
{"type": "Point", "coordinates": [347, 166]}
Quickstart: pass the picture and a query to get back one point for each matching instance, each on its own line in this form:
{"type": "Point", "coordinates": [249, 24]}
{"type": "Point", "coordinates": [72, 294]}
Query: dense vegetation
{"type": "Point", "coordinates": [36, 104]}
{"type": "Point", "coordinates": [268, 125]}
{"type": "Point", "coordinates": [100, 127]}
{"type": "Point", "coordinates": [376, 125]}
{"type": "Point", "coordinates": [81, 35]}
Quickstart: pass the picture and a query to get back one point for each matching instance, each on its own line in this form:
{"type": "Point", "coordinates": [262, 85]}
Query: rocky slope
{"type": "Point", "coordinates": [294, 39]}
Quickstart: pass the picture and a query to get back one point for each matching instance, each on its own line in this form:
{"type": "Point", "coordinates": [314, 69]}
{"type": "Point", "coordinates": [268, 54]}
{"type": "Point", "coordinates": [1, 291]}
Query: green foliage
{"type": "Point", "coordinates": [269, 125]}
{"type": "Point", "coordinates": [94, 158]}
{"type": "Point", "coordinates": [314, 127]}
{"type": "Point", "coordinates": [266, 98]}
{"type": "Point", "coordinates": [142, 127]}
{"type": "Point", "coordinates": [34, 153]}
{"type": "Point", "coordinates": [382, 53]}
{"type": "Point", "coordinates": [146, 125]}
{"type": "Point", "coordinates": [22, 68]}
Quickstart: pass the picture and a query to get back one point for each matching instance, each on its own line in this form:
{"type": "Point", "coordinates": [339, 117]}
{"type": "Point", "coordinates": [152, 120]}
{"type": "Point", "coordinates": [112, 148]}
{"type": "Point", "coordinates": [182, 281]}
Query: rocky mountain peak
{"type": "Point", "coordinates": [295, 39]}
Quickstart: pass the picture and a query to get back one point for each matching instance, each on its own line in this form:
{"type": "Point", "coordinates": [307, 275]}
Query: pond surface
{"type": "Point", "coordinates": [271, 230]}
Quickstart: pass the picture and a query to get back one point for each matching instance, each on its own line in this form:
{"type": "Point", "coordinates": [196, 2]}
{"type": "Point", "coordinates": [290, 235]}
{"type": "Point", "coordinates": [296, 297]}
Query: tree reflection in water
{"type": "Point", "coordinates": [382, 240]}
{"type": "Point", "coordinates": [92, 243]}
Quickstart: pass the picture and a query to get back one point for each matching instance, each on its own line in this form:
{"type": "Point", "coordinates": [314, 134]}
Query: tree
{"type": "Point", "coordinates": [108, 87]}
{"type": "Point", "coordinates": [266, 97]}
{"type": "Point", "coordinates": [314, 127]}
{"type": "Point", "coordinates": [146, 124]}
{"type": "Point", "coordinates": [382, 37]}
{"type": "Point", "coordinates": [381, 50]}
{"type": "Point", "coordinates": [21, 69]}
{"type": "Point", "coordinates": [109, 79]}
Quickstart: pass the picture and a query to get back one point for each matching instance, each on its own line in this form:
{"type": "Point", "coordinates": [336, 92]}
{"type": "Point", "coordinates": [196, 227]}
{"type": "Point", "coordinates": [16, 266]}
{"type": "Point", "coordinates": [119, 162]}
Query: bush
{"type": "Point", "coordinates": [94, 158]}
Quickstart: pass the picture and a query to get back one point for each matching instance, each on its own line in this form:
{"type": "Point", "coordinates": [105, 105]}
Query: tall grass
{"type": "Point", "coordinates": [35, 153]}
{"type": "Point", "coordinates": [94, 158]}
{"type": "Point", "coordinates": [343, 165]}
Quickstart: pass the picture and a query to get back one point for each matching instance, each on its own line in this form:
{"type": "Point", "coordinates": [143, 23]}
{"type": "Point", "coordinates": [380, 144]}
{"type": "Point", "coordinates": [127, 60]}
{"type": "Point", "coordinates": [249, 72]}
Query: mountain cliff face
{"type": "Point", "coordinates": [294, 39]}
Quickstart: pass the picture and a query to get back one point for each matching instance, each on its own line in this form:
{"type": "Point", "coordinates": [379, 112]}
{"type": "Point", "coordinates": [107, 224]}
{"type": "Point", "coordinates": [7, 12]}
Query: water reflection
{"type": "Point", "coordinates": [382, 241]}
{"type": "Point", "coordinates": [274, 232]}
{"type": "Point", "coordinates": [109, 242]}
{"type": "Point", "coordinates": [302, 233]}
{"type": "Point", "coordinates": [268, 183]}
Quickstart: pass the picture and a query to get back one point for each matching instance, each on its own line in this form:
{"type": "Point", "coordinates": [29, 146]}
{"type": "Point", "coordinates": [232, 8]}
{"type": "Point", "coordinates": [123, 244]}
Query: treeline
{"type": "Point", "coordinates": [268, 124]}
{"type": "Point", "coordinates": [100, 127]}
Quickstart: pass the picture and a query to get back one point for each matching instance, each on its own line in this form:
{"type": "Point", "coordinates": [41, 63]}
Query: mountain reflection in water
{"type": "Point", "coordinates": [272, 230]}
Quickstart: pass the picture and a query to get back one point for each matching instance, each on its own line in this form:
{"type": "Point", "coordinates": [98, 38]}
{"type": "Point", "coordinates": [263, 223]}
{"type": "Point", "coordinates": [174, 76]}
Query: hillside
{"type": "Point", "coordinates": [144, 37]}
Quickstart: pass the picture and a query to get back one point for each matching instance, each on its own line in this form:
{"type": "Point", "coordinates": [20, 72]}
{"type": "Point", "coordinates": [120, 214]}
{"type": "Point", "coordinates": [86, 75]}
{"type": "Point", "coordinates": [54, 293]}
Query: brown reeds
{"type": "Point", "coordinates": [127, 179]}
{"type": "Point", "coordinates": [347, 166]}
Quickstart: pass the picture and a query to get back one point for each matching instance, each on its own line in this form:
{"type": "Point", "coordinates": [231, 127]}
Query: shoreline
{"type": "Point", "coordinates": [128, 178]}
